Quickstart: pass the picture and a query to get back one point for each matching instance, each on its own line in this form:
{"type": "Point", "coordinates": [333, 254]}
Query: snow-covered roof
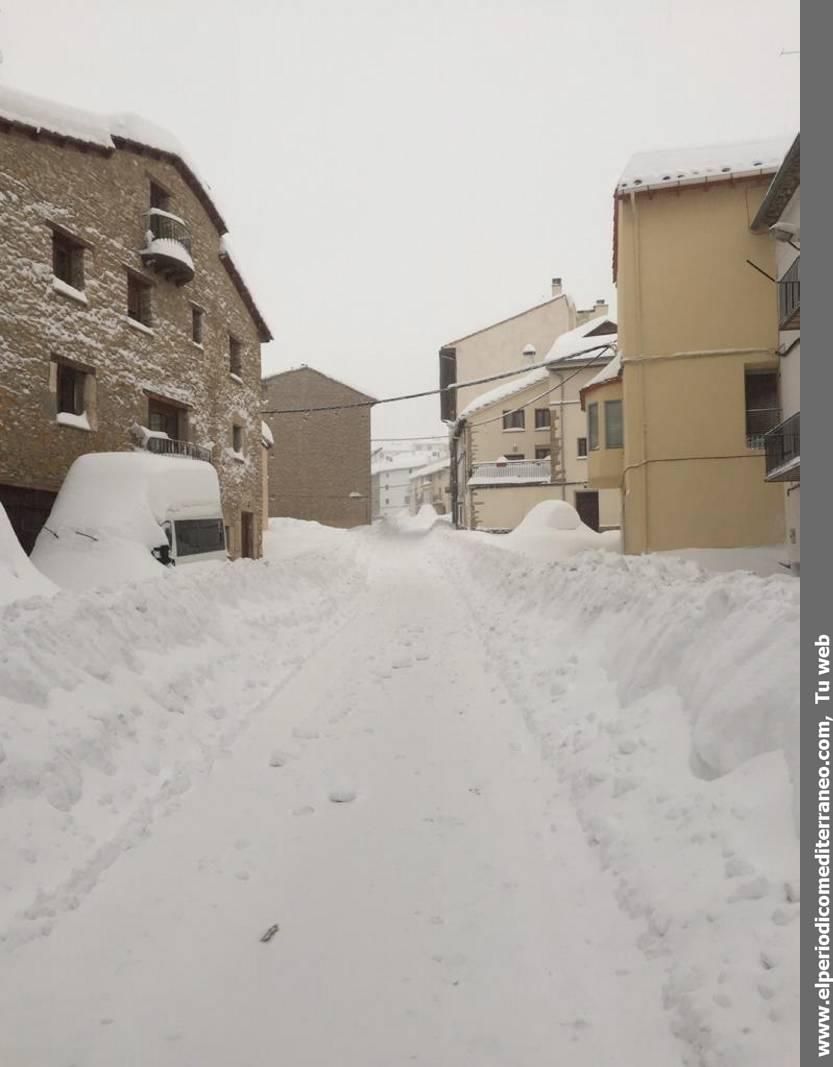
{"type": "Point", "coordinates": [108, 132]}
{"type": "Point", "coordinates": [432, 468]}
{"type": "Point", "coordinates": [504, 391]}
{"type": "Point", "coordinates": [574, 344]}
{"type": "Point", "coordinates": [607, 374]}
{"type": "Point", "coordinates": [693, 165]}
{"type": "Point", "coordinates": [402, 461]}
{"type": "Point", "coordinates": [267, 435]}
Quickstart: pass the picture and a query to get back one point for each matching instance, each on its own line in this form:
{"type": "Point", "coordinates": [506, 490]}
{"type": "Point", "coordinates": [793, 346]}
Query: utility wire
{"type": "Point", "coordinates": [426, 392]}
{"type": "Point", "coordinates": [526, 403]}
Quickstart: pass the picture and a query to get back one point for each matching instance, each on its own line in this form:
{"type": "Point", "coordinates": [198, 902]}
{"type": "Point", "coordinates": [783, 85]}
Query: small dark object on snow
{"type": "Point", "coordinates": [270, 933]}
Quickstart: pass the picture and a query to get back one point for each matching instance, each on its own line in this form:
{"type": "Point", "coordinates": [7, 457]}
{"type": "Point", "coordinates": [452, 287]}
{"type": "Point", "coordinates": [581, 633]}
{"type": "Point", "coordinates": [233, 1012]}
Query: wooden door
{"type": "Point", "coordinates": [247, 535]}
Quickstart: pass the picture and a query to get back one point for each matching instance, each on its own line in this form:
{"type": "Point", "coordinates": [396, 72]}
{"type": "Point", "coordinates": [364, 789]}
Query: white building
{"type": "Point", "coordinates": [780, 213]}
{"type": "Point", "coordinates": [390, 474]}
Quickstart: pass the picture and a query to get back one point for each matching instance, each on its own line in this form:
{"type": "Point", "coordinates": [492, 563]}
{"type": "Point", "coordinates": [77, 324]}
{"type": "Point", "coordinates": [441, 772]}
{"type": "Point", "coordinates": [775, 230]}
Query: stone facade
{"type": "Point", "coordinates": [319, 469]}
{"type": "Point", "coordinates": [99, 198]}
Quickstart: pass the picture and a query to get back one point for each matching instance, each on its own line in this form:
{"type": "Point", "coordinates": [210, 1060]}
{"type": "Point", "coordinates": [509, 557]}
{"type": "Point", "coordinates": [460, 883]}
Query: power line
{"type": "Point", "coordinates": [526, 403]}
{"type": "Point", "coordinates": [427, 392]}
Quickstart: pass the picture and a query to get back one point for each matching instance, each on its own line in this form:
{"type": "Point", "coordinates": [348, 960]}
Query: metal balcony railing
{"type": "Point", "coordinates": [783, 450]}
{"type": "Point", "coordinates": [519, 470]}
{"type": "Point", "coordinates": [168, 248]}
{"type": "Point", "coordinates": [789, 297]}
{"type": "Point", "coordinates": [759, 421]}
{"type": "Point", "coordinates": [169, 446]}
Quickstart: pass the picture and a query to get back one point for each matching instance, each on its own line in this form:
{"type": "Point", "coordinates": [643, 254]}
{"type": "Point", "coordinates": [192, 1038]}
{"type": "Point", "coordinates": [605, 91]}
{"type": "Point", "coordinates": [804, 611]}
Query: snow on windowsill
{"type": "Point", "coordinates": [237, 456]}
{"type": "Point", "coordinates": [137, 325]}
{"type": "Point", "coordinates": [77, 422]}
{"type": "Point", "coordinates": [198, 344]}
{"type": "Point", "coordinates": [65, 289]}
{"type": "Point", "coordinates": [236, 378]}
{"type": "Point", "coordinates": [514, 429]}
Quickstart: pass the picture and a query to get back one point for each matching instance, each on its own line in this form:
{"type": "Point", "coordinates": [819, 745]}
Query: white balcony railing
{"type": "Point", "coordinates": [513, 471]}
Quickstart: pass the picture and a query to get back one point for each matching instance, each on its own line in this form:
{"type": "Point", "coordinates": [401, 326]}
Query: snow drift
{"type": "Point", "coordinates": [18, 577]}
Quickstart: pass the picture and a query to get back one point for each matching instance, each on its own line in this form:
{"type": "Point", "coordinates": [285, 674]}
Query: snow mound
{"type": "Point", "coordinates": [19, 578]}
{"type": "Point", "coordinates": [551, 515]}
{"type": "Point", "coordinates": [287, 538]}
{"type": "Point", "coordinates": [553, 530]}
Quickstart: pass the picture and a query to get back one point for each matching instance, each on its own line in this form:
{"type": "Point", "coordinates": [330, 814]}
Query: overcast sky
{"type": "Point", "coordinates": [397, 174]}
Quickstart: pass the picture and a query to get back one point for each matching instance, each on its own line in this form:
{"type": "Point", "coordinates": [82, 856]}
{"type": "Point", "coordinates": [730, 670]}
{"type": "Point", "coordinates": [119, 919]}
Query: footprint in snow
{"type": "Point", "coordinates": [342, 795]}
{"type": "Point", "coordinates": [402, 663]}
{"type": "Point", "coordinates": [279, 759]}
{"type": "Point", "coordinates": [305, 734]}
{"type": "Point", "coordinates": [305, 810]}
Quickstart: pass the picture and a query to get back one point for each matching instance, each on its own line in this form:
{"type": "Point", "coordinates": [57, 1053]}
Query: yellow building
{"type": "Point", "coordinates": [680, 427]}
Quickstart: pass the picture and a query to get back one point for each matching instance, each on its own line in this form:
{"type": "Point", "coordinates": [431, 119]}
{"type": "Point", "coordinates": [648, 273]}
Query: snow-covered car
{"type": "Point", "coordinates": [120, 515]}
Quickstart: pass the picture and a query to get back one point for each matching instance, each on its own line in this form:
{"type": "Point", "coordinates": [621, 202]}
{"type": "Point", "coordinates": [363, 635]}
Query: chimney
{"type": "Point", "coordinates": [601, 306]}
{"type": "Point", "coordinates": [528, 354]}
{"type": "Point", "coordinates": [556, 287]}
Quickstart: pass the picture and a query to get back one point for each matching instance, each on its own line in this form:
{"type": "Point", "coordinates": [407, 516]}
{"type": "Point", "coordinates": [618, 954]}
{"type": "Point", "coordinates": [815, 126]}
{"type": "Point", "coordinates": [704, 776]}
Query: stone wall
{"type": "Point", "coordinates": [319, 469]}
{"type": "Point", "coordinates": [100, 199]}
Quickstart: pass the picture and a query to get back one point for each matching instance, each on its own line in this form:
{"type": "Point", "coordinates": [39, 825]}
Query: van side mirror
{"type": "Point", "coordinates": [162, 553]}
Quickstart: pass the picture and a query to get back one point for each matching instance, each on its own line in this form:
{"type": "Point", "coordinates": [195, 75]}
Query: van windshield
{"type": "Point", "coordinates": [199, 535]}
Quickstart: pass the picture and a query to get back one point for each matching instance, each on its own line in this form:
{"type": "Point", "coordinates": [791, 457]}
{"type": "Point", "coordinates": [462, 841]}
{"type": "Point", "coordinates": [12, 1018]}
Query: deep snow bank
{"type": "Point", "coordinates": [111, 701]}
{"type": "Point", "coordinates": [667, 701]}
{"type": "Point", "coordinates": [19, 578]}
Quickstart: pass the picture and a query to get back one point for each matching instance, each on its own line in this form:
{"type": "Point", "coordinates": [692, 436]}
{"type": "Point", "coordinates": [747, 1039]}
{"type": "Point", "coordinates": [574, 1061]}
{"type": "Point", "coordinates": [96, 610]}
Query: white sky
{"type": "Point", "coordinates": [398, 174]}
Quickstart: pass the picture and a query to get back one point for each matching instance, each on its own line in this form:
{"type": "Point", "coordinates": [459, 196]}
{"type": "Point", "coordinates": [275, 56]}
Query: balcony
{"type": "Point", "coordinates": [169, 446]}
{"type": "Point", "coordinates": [759, 422]}
{"type": "Point", "coordinates": [168, 247]}
{"type": "Point", "coordinates": [783, 451]}
{"type": "Point", "coordinates": [789, 297]}
{"type": "Point", "coordinates": [512, 472]}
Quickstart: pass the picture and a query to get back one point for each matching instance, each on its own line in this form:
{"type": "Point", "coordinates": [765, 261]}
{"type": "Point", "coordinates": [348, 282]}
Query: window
{"type": "Point", "coordinates": [138, 300]}
{"type": "Point", "coordinates": [68, 260]}
{"type": "Point", "coordinates": [237, 438]}
{"type": "Point", "coordinates": [164, 418]}
{"type": "Point", "coordinates": [593, 426]}
{"type": "Point", "coordinates": [542, 452]}
{"type": "Point", "coordinates": [515, 456]}
{"type": "Point", "coordinates": [613, 424]}
{"type": "Point", "coordinates": [514, 420]}
{"type": "Point", "coordinates": [763, 410]}
{"type": "Point", "coordinates": [197, 317]}
{"type": "Point", "coordinates": [581, 447]}
{"type": "Point", "coordinates": [70, 391]}
{"type": "Point", "coordinates": [235, 356]}
{"type": "Point", "coordinates": [542, 418]}
{"type": "Point", "coordinates": [199, 535]}
{"type": "Point", "coordinates": [159, 198]}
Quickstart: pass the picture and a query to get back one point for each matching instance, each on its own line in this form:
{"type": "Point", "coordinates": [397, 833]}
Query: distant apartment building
{"type": "Point", "coordinates": [679, 426]}
{"type": "Point", "coordinates": [391, 473]}
{"type": "Point", "coordinates": [524, 440]}
{"type": "Point", "coordinates": [124, 320]}
{"type": "Point", "coordinates": [502, 348]}
{"type": "Point", "coordinates": [430, 485]}
{"type": "Point", "coordinates": [780, 215]}
{"type": "Point", "coordinates": [319, 468]}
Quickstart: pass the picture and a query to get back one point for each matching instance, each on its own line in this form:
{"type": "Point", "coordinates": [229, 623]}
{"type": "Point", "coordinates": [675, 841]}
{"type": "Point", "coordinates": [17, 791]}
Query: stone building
{"type": "Point", "coordinates": [319, 469]}
{"type": "Point", "coordinates": [124, 320]}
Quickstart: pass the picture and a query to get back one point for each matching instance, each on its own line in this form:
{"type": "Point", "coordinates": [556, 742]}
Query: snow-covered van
{"type": "Point", "coordinates": [119, 516]}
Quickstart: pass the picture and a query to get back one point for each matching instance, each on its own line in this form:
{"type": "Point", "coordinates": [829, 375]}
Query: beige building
{"type": "Point", "coordinates": [502, 348]}
{"type": "Point", "coordinates": [124, 320]}
{"type": "Point", "coordinates": [780, 216]}
{"type": "Point", "coordinates": [524, 440]}
{"type": "Point", "coordinates": [319, 469]}
{"type": "Point", "coordinates": [698, 337]}
{"type": "Point", "coordinates": [430, 485]}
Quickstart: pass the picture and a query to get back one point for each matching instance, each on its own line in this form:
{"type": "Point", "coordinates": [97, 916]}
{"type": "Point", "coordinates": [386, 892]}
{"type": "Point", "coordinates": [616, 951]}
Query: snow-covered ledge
{"type": "Point", "coordinates": [65, 289]}
{"type": "Point", "coordinates": [236, 377]}
{"type": "Point", "coordinates": [140, 326]}
{"type": "Point", "coordinates": [239, 457]}
{"type": "Point", "coordinates": [78, 422]}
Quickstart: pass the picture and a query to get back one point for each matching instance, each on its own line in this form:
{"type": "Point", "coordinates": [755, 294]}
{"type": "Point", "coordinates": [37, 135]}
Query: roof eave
{"type": "Point", "coordinates": [780, 192]}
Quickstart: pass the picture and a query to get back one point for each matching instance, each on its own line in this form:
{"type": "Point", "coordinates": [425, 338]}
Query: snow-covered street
{"type": "Point", "coordinates": [481, 839]}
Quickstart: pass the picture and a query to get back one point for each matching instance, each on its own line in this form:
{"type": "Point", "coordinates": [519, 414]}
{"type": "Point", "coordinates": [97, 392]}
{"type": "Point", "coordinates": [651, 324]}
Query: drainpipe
{"type": "Point", "coordinates": [561, 432]}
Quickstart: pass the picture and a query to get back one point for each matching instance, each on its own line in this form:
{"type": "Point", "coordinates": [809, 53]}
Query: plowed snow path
{"type": "Point", "coordinates": [450, 914]}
